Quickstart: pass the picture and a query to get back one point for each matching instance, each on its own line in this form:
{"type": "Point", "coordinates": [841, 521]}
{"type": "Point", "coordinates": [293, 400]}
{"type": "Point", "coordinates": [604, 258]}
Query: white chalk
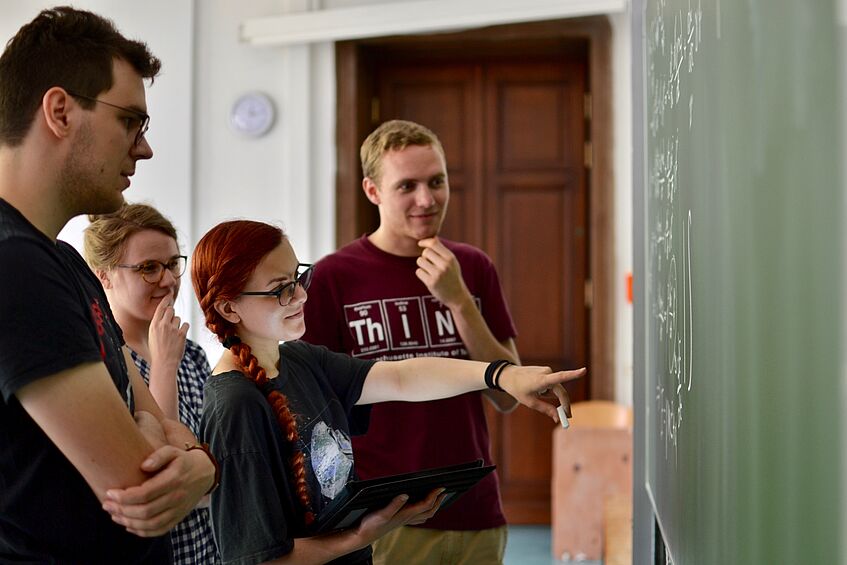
{"type": "Point", "coordinates": [563, 418]}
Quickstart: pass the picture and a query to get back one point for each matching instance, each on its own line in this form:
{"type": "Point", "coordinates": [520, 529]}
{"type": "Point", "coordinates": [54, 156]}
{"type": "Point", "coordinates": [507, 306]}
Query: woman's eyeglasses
{"type": "Point", "coordinates": [152, 271]}
{"type": "Point", "coordinates": [285, 292]}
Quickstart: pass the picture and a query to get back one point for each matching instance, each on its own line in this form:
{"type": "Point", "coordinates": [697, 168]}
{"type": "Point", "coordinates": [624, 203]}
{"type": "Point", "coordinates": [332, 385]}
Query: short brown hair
{"type": "Point", "coordinates": [105, 238]}
{"type": "Point", "coordinates": [65, 47]}
{"type": "Point", "coordinates": [394, 135]}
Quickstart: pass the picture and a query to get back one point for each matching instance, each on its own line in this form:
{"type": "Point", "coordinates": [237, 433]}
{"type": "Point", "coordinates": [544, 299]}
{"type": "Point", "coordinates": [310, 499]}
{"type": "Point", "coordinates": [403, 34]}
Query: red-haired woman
{"type": "Point", "coordinates": [278, 417]}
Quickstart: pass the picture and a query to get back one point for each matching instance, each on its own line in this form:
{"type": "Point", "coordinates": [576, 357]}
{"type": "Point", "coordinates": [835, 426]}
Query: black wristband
{"type": "Point", "coordinates": [499, 372]}
{"type": "Point", "coordinates": [492, 373]}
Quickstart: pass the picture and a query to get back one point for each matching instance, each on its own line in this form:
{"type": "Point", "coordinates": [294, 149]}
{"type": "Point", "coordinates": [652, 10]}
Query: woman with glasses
{"type": "Point", "coordinates": [135, 254]}
{"type": "Point", "coordinates": [278, 417]}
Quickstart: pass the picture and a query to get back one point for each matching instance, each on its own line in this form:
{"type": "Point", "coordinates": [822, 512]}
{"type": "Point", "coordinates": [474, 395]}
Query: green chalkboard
{"type": "Point", "coordinates": [742, 277]}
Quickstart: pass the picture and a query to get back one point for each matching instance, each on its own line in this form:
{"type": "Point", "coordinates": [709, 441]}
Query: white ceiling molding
{"type": "Point", "coordinates": [419, 16]}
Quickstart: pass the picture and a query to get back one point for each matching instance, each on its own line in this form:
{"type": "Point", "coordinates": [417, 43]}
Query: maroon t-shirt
{"type": "Point", "coordinates": [369, 304]}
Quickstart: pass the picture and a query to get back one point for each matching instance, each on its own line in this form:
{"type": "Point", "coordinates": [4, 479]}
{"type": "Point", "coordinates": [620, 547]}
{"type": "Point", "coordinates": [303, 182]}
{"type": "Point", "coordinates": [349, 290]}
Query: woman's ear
{"type": "Point", "coordinates": [104, 278]}
{"type": "Point", "coordinates": [227, 311]}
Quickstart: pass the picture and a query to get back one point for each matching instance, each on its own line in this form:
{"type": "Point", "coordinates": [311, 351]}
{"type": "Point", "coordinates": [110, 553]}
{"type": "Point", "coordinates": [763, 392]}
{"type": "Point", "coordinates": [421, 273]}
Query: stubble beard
{"type": "Point", "coordinates": [81, 190]}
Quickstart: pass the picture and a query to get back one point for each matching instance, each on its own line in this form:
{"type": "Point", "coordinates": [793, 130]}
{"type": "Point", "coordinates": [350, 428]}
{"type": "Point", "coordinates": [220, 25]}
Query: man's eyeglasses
{"type": "Point", "coordinates": [152, 271]}
{"type": "Point", "coordinates": [140, 123]}
{"type": "Point", "coordinates": [285, 292]}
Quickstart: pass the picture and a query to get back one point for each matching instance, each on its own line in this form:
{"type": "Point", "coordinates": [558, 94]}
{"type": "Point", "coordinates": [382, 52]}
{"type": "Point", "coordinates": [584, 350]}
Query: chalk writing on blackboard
{"type": "Point", "coordinates": [675, 316]}
{"type": "Point", "coordinates": [672, 59]}
{"type": "Point", "coordinates": [680, 52]}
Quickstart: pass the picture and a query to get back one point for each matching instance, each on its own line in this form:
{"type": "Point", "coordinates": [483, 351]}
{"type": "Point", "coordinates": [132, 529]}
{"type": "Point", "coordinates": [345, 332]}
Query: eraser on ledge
{"type": "Point", "coordinates": [563, 418]}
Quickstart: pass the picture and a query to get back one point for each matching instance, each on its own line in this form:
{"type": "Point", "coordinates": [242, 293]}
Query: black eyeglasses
{"type": "Point", "coordinates": [152, 271]}
{"type": "Point", "coordinates": [140, 123]}
{"type": "Point", "coordinates": [285, 292]}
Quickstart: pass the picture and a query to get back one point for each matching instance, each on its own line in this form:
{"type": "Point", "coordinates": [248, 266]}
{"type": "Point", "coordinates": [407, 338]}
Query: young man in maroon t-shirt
{"type": "Point", "coordinates": [403, 292]}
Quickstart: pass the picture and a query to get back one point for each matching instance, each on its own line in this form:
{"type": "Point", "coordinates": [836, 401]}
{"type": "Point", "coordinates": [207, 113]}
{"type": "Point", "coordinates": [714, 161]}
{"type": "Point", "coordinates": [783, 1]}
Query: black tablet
{"type": "Point", "coordinates": [362, 497]}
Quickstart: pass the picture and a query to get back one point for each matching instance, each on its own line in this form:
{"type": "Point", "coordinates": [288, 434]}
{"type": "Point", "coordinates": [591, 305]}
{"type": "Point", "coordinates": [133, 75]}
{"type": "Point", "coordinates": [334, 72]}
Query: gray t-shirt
{"type": "Point", "coordinates": [255, 510]}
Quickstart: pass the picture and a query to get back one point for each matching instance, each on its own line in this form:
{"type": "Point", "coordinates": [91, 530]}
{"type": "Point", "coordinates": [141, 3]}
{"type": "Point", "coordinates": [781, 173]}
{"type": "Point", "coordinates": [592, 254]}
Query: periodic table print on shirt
{"type": "Point", "coordinates": [398, 324]}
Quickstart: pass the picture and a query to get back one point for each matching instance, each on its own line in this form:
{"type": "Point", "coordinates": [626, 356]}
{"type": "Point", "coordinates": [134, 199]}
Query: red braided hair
{"type": "Point", "coordinates": [221, 265]}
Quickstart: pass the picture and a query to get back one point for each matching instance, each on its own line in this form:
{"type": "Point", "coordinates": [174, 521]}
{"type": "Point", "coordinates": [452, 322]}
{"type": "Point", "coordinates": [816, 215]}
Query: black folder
{"type": "Point", "coordinates": [363, 497]}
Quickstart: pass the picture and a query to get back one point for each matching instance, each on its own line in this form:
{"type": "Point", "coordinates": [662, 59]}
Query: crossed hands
{"type": "Point", "coordinates": [179, 480]}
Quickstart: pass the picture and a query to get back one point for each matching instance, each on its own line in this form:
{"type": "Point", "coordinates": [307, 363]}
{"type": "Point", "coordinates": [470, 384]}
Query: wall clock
{"type": "Point", "coordinates": [252, 114]}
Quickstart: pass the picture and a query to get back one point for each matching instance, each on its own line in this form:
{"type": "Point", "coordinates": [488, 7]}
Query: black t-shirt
{"type": "Point", "coordinates": [54, 316]}
{"type": "Point", "coordinates": [255, 511]}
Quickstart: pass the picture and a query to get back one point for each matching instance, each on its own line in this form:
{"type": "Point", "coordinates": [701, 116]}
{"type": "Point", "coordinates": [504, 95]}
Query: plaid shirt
{"type": "Point", "coordinates": [191, 539]}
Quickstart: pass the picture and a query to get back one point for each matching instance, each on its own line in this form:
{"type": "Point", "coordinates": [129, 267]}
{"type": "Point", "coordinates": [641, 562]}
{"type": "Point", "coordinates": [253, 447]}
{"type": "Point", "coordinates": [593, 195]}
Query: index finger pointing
{"type": "Point", "coordinates": [566, 376]}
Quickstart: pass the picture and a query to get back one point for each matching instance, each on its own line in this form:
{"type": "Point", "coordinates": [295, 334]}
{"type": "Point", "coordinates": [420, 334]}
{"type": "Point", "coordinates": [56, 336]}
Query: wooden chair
{"type": "Point", "coordinates": [592, 461]}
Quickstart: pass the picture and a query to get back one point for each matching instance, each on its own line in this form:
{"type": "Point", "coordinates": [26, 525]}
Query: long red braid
{"type": "Point", "coordinates": [221, 264]}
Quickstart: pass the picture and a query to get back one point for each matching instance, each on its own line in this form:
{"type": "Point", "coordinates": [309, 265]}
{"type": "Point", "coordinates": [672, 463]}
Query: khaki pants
{"type": "Point", "coordinates": [421, 546]}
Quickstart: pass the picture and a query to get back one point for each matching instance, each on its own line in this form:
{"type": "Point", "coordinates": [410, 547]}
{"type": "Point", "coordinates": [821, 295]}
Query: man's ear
{"type": "Point", "coordinates": [56, 108]}
{"type": "Point", "coordinates": [227, 311]}
{"type": "Point", "coordinates": [104, 278]}
{"type": "Point", "coordinates": [371, 190]}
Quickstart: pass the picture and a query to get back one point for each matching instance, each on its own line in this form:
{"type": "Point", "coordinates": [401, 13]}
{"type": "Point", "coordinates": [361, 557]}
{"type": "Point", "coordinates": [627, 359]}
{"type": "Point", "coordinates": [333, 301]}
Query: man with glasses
{"type": "Point", "coordinates": [72, 123]}
{"type": "Point", "coordinates": [137, 122]}
{"type": "Point", "coordinates": [404, 292]}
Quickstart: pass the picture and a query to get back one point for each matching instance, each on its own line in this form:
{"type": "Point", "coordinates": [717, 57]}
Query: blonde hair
{"type": "Point", "coordinates": [394, 135]}
{"type": "Point", "coordinates": [105, 238]}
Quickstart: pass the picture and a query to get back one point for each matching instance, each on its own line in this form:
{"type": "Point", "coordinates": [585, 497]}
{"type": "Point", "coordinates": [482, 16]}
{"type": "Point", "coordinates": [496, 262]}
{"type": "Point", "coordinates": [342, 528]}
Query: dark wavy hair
{"type": "Point", "coordinates": [65, 47]}
{"type": "Point", "coordinates": [223, 261]}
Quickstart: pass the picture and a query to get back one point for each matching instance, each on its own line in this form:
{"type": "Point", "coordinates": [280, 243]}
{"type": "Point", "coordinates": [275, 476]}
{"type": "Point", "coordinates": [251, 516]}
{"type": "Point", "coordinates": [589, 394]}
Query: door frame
{"type": "Point", "coordinates": [353, 123]}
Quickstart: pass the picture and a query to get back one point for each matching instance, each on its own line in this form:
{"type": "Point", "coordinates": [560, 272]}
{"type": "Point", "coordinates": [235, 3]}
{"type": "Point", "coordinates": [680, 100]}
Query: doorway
{"type": "Point", "coordinates": [513, 108]}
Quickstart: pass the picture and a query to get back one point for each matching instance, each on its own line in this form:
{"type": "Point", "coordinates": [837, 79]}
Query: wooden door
{"type": "Point", "coordinates": [513, 132]}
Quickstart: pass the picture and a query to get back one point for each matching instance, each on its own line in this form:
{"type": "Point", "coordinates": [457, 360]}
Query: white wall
{"type": "Point", "coordinates": [622, 108]}
{"type": "Point", "coordinates": [204, 173]}
{"type": "Point", "coordinates": [286, 177]}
